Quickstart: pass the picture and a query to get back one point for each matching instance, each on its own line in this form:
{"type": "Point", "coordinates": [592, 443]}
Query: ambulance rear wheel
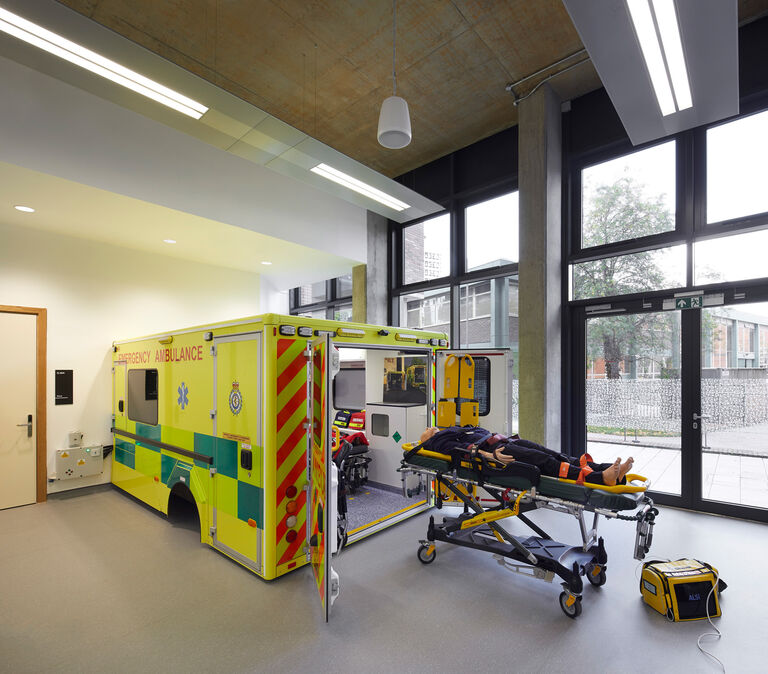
{"type": "Point", "coordinates": [424, 555]}
{"type": "Point", "coordinates": [574, 609]}
{"type": "Point", "coordinates": [596, 579]}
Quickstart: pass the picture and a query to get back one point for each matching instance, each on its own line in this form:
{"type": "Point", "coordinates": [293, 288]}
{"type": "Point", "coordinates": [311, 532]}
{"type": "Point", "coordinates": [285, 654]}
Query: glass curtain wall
{"type": "Point", "coordinates": [668, 319]}
{"type": "Point", "coordinates": [330, 299]}
{"type": "Point", "coordinates": [466, 289]}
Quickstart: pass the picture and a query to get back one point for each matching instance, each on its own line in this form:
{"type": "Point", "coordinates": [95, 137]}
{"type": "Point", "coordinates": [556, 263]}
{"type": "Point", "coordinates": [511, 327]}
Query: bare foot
{"type": "Point", "coordinates": [625, 468]}
{"type": "Point", "coordinates": [611, 474]}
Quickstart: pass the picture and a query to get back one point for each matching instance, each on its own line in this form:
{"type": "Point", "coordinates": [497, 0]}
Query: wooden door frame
{"type": "Point", "coordinates": [41, 335]}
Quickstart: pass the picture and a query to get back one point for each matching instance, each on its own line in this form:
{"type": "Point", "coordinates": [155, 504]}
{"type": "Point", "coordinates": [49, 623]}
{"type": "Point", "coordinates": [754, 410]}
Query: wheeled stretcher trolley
{"type": "Point", "coordinates": [515, 491]}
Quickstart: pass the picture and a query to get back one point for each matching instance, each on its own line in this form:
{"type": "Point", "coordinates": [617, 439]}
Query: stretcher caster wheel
{"type": "Point", "coordinates": [571, 604]}
{"type": "Point", "coordinates": [426, 554]}
{"type": "Point", "coordinates": [595, 574]}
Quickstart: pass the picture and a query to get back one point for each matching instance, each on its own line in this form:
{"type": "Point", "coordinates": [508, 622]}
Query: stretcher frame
{"type": "Point", "coordinates": [538, 556]}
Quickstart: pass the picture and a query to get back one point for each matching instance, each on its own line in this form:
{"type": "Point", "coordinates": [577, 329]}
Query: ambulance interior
{"type": "Point", "coordinates": [389, 389]}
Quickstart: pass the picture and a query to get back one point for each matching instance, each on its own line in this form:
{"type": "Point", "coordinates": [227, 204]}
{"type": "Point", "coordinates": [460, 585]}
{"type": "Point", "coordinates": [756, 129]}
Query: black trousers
{"type": "Point", "coordinates": [547, 460]}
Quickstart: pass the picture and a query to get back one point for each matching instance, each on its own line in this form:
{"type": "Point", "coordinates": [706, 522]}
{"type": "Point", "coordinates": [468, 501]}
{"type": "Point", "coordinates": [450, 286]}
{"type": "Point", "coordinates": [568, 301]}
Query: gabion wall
{"type": "Point", "coordinates": [654, 404]}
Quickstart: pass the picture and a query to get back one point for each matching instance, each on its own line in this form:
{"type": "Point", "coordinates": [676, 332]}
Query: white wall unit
{"type": "Point", "coordinates": [388, 426]}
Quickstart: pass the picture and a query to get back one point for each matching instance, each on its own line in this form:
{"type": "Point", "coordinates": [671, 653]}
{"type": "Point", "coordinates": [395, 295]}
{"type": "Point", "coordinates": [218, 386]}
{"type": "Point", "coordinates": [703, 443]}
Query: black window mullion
{"type": "Point", "coordinates": [455, 333]}
{"type": "Point", "coordinates": [686, 197]}
{"type": "Point", "coordinates": [575, 237]}
{"type": "Point", "coordinates": [458, 240]}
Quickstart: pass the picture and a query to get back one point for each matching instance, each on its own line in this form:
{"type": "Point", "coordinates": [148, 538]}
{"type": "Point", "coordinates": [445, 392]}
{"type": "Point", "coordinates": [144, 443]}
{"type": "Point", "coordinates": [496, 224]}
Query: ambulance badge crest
{"type": "Point", "coordinates": [235, 399]}
{"type": "Point", "coordinates": [183, 399]}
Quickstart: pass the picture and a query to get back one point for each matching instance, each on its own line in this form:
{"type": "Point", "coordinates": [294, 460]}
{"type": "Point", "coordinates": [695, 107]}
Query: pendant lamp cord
{"type": "Point", "coordinates": [394, 46]}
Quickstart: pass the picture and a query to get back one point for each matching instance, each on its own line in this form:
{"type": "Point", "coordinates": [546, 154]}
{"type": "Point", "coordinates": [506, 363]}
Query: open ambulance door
{"type": "Point", "coordinates": [321, 523]}
{"type": "Point", "coordinates": [483, 376]}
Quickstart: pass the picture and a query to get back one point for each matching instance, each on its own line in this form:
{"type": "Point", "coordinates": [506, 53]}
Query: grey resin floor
{"type": "Point", "coordinates": [91, 581]}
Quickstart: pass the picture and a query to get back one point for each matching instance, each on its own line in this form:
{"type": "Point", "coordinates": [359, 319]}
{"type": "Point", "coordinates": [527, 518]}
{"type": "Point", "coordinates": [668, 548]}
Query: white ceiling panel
{"type": "Point", "coordinates": [709, 31]}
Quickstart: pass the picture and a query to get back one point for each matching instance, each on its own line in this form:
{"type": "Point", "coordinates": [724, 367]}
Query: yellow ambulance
{"type": "Point", "coordinates": [236, 418]}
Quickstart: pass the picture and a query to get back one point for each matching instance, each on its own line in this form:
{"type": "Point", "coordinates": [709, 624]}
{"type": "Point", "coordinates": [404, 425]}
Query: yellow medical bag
{"type": "Point", "coordinates": [681, 589]}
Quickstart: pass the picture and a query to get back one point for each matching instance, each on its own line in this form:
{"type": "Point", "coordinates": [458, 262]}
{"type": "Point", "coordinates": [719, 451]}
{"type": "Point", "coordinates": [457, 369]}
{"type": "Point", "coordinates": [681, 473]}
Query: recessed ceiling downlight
{"type": "Point", "coordinates": [25, 209]}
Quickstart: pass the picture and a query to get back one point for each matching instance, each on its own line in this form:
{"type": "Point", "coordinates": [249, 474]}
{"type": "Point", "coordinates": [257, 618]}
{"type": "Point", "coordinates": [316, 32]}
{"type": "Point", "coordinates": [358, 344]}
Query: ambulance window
{"type": "Point", "coordinates": [380, 425]}
{"type": "Point", "coordinates": [405, 380]}
{"type": "Point", "coordinates": [349, 389]}
{"type": "Point", "coordinates": [142, 396]}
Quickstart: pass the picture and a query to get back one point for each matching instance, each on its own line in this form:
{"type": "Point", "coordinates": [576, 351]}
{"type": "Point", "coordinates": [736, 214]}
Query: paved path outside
{"type": "Point", "coordinates": [749, 441]}
{"type": "Point", "coordinates": [726, 477]}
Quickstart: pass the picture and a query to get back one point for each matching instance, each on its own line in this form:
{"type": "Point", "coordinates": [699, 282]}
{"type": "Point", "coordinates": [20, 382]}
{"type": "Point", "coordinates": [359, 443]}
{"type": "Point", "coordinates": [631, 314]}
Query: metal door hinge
{"type": "Point", "coordinates": [213, 350]}
{"type": "Point", "coordinates": [212, 532]}
{"type": "Point", "coordinates": [213, 414]}
{"type": "Point", "coordinates": [212, 471]}
{"type": "Point", "coordinates": [308, 354]}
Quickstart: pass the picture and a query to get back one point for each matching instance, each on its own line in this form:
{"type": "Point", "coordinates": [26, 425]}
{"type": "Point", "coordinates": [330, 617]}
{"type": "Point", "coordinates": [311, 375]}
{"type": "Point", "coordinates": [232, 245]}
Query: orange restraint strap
{"type": "Point", "coordinates": [585, 469]}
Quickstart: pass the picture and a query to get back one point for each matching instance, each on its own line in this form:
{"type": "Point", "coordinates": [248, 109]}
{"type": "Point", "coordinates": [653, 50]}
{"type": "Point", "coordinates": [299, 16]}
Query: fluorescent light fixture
{"type": "Point", "coordinates": [640, 12]}
{"type": "Point", "coordinates": [666, 18]}
{"type": "Point", "coordinates": [58, 46]}
{"type": "Point", "coordinates": [664, 60]}
{"type": "Point", "coordinates": [266, 262]}
{"type": "Point", "coordinates": [25, 209]}
{"type": "Point", "coordinates": [169, 240]}
{"type": "Point", "coordinates": [359, 186]}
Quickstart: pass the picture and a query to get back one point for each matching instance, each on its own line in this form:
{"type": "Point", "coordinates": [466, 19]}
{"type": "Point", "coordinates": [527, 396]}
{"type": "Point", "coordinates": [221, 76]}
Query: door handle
{"type": "Point", "coordinates": [701, 416]}
{"type": "Point", "coordinates": [28, 425]}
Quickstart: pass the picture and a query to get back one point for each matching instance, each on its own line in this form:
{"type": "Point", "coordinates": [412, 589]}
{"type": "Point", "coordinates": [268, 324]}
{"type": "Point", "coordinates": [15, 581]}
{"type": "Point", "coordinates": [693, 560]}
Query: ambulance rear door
{"type": "Point", "coordinates": [321, 523]}
{"type": "Point", "coordinates": [488, 375]}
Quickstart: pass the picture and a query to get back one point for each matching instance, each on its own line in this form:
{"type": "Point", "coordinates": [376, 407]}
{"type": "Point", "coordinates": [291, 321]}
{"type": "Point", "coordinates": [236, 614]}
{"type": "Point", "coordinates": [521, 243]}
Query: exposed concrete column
{"type": "Point", "coordinates": [376, 290]}
{"type": "Point", "coordinates": [540, 186]}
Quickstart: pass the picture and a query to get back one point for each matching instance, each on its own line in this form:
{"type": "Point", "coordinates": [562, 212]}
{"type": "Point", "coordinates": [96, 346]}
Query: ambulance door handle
{"type": "Point", "coordinates": [28, 425]}
{"type": "Point", "coordinates": [320, 518]}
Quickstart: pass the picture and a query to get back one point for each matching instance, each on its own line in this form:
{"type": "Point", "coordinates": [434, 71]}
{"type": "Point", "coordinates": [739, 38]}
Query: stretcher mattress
{"type": "Point", "coordinates": [548, 486]}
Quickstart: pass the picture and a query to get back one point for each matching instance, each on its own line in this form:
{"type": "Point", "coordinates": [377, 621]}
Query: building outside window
{"type": "Point", "coordinates": [324, 299]}
{"type": "Point", "coordinates": [478, 306]}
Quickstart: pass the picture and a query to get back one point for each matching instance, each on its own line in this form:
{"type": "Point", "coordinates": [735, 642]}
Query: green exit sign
{"type": "Point", "coordinates": [693, 302]}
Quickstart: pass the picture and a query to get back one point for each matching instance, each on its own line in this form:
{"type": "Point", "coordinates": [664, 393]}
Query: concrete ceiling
{"type": "Point", "coordinates": [324, 66]}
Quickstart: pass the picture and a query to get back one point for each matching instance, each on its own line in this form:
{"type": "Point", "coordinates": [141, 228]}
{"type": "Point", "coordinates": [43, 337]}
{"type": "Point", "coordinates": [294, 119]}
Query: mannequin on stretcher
{"type": "Point", "coordinates": [504, 450]}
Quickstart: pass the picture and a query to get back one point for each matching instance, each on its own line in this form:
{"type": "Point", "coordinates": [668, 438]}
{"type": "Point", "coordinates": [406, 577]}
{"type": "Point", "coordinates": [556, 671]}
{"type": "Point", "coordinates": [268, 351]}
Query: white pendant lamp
{"type": "Point", "coordinates": [394, 119]}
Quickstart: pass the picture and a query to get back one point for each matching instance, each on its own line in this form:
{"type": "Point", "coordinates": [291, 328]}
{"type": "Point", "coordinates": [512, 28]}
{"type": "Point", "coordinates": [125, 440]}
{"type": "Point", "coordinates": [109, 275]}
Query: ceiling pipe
{"type": "Point", "coordinates": [511, 87]}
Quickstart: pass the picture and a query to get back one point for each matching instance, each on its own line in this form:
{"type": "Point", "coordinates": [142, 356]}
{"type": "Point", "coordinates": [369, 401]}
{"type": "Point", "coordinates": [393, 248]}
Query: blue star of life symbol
{"type": "Point", "coordinates": [183, 395]}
